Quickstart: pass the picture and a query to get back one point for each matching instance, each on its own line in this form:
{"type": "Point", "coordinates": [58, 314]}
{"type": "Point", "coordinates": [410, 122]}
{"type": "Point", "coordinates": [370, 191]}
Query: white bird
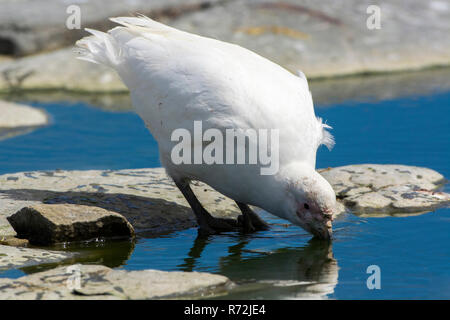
{"type": "Point", "coordinates": [176, 78]}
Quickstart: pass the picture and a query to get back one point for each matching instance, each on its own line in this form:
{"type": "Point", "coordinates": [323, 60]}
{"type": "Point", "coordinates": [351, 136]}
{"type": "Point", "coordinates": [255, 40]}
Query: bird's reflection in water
{"type": "Point", "coordinates": [309, 272]}
{"type": "Point", "coordinates": [194, 254]}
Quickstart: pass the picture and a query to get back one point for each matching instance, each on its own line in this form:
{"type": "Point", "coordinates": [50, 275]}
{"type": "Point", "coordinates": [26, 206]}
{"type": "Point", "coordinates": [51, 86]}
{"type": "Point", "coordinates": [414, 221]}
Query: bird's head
{"type": "Point", "coordinates": [310, 200]}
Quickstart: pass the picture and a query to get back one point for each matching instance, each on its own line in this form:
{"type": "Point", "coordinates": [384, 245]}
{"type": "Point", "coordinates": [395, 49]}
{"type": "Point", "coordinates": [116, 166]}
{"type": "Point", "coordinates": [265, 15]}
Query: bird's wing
{"type": "Point", "coordinates": [176, 77]}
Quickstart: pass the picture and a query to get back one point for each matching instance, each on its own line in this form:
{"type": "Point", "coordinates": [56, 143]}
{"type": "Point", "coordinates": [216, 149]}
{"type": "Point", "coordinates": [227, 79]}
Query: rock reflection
{"type": "Point", "coordinates": [111, 253]}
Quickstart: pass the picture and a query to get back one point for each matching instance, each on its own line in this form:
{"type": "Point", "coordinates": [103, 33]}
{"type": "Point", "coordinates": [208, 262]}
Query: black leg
{"type": "Point", "coordinates": [207, 223]}
{"type": "Point", "coordinates": [195, 253]}
{"type": "Point", "coordinates": [251, 221]}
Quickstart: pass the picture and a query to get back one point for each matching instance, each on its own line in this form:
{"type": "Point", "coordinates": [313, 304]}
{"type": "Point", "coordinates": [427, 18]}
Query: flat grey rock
{"type": "Point", "coordinates": [30, 26]}
{"type": "Point", "coordinates": [43, 71]}
{"type": "Point", "coordinates": [150, 201]}
{"type": "Point", "coordinates": [147, 198]}
{"type": "Point", "coordinates": [322, 38]}
{"type": "Point", "coordinates": [14, 257]}
{"type": "Point", "coordinates": [99, 282]}
{"type": "Point", "coordinates": [15, 115]}
{"type": "Point", "coordinates": [45, 224]}
{"type": "Point", "coordinates": [18, 119]}
{"type": "Point", "coordinates": [379, 190]}
{"type": "Point", "coordinates": [328, 38]}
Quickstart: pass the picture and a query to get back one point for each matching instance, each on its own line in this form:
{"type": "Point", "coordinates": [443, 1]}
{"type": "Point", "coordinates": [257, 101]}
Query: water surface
{"type": "Point", "coordinates": [412, 252]}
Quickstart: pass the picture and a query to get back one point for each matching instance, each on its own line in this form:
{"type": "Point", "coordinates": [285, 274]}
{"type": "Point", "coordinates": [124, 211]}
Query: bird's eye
{"type": "Point", "coordinates": [306, 206]}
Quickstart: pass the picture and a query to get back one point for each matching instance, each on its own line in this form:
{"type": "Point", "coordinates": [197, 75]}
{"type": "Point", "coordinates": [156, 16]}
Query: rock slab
{"type": "Point", "coordinates": [79, 282]}
{"type": "Point", "coordinates": [379, 190]}
{"type": "Point", "coordinates": [150, 201]}
{"type": "Point", "coordinates": [45, 224]}
{"type": "Point", "coordinates": [17, 119]}
{"type": "Point", "coordinates": [15, 115]}
{"type": "Point", "coordinates": [30, 26]}
{"type": "Point", "coordinates": [12, 257]}
{"type": "Point", "coordinates": [147, 198]}
{"type": "Point", "coordinates": [322, 38]}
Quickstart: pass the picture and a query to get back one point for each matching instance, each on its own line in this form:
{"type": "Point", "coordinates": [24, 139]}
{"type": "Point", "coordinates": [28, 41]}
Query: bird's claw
{"type": "Point", "coordinates": [217, 225]}
{"type": "Point", "coordinates": [253, 225]}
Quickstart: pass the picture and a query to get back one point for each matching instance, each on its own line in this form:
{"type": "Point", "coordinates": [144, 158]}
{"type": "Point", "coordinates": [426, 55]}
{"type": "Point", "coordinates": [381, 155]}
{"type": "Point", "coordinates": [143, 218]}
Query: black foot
{"type": "Point", "coordinates": [207, 223]}
{"type": "Point", "coordinates": [252, 226]}
{"type": "Point", "coordinates": [250, 221]}
{"type": "Point", "coordinates": [216, 225]}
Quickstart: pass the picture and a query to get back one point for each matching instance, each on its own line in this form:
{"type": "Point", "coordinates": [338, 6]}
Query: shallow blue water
{"type": "Point", "coordinates": [412, 252]}
{"type": "Point", "coordinates": [81, 137]}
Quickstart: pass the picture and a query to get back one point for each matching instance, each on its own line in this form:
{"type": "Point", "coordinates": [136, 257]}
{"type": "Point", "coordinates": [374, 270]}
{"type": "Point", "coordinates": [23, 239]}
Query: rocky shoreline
{"type": "Point", "coordinates": [102, 283]}
{"type": "Point", "coordinates": [321, 38]}
{"type": "Point", "coordinates": [19, 119]}
{"type": "Point", "coordinates": [328, 40]}
{"type": "Point", "coordinates": [149, 201]}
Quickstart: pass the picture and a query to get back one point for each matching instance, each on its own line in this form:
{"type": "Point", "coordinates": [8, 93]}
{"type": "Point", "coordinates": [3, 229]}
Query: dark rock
{"type": "Point", "coordinates": [46, 224]}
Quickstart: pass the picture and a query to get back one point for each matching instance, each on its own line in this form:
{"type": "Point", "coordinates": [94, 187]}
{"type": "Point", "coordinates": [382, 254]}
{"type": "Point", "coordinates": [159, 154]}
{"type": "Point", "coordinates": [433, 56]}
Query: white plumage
{"type": "Point", "coordinates": [176, 78]}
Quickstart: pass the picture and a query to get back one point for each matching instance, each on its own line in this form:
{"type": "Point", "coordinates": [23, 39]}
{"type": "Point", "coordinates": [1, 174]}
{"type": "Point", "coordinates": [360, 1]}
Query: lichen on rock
{"type": "Point", "coordinates": [100, 282]}
{"type": "Point", "coordinates": [379, 190]}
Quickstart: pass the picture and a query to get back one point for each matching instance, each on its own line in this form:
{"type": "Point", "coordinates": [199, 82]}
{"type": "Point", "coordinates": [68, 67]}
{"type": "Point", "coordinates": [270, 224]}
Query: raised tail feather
{"type": "Point", "coordinates": [99, 48]}
{"type": "Point", "coordinates": [105, 48]}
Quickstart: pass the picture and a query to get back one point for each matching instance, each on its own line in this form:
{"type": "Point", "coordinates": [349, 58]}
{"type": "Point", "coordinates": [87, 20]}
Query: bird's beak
{"type": "Point", "coordinates": [327, 232]}
{"type": "Point", "coordinates": [323, 229]}
{"type": "Point", "coordinates": [323, 232]}
{"type": "Point", "coordinates": [319, 224]}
